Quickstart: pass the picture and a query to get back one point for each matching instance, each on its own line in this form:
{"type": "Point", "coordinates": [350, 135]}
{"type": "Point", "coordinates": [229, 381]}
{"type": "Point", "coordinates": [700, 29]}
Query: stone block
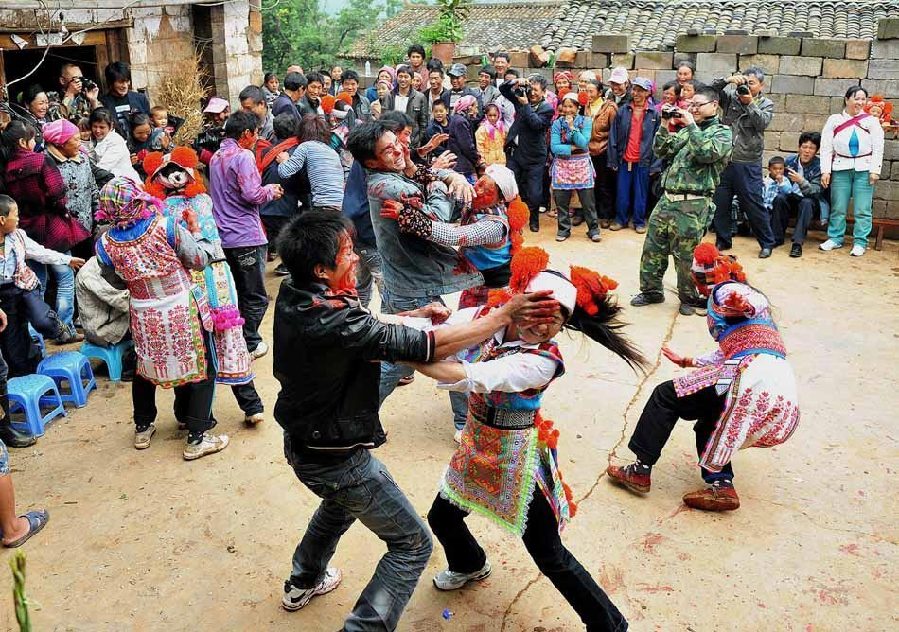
{"type": "Point", "coordinates": [769, 63]}
{"type": "Point", "coordinates": [889, 88]}
{"type": "Point", "coordinates": [832, 48]}
{"type": "Point", "coordinates": [583, 59]}
{"type": "Point", "coordinates": [778, 100]}
{"type": "Point", "coordinates": [847, 69]}
{"type": "Point", "coordinates": [888, 28]}
{"type": "Point", "coordinates": [663, 77]}
{"type": "Point", "coordinates": [654, 60]}
{"type": "Point", "coordinates": [682, 56]}
{"type": "Point", "coordinates": [885, 49]}
{"type": "Point", "coordinates": [779, 45]}
{"type": "Point", "coordinates": [802, 66]}
{"type": "Point", "coordinates": [772, 142]}
{"type": "Point", "coordinates": [518, 59]}
{"type": "Point", "coordinates": [607, 43]}
{"type": "Point", "coordinates": [740, 44]}
{"type": "Point", "coordinates": [886, 169]}
{"type": "Point", "coordinates": [599, 60]}
{"type": "Point", "coordinates": [622, 59]}
{"type": "Point", "coordinates": [789, 141]}
{"type": "Point", "coordinates": [887, 190]}
{"type": "Point", "coordinates": [858, 49]}
{"type": "Point", "coordinates": [807, 104]}
{"type": "Point", "coordinates": [891, 150]}
{"type": "Point", "coordinates": [788, 84]}
{"type": "Point", "coordinates": [787, 122]}
{"type": "Point", "coordinates": [879, 209]}
{"type": "Point", "coordinates": [716, 64]}
{"type": "Point", "coordinates": [833, 87]}
{"type": "Point", "coordinates": [883, 69]}
{"type": "Point", "coordinates": [837, 104]}
{"type": "Point", "coordinates": [695, 44]}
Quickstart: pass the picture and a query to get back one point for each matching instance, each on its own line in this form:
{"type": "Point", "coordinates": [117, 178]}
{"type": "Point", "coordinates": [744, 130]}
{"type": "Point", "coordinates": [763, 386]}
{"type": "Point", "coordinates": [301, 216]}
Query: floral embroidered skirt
{"type": "Point", "coordinates": [234, 362]}
{"type": "Point", "coordinates": [494, 472]}
{"type": "Point", "coordinates": [761, 407]}
{"type": "Point", "coordinates": [575, 172]}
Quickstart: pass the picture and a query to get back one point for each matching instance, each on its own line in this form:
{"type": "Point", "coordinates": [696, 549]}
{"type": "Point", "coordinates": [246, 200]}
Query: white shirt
{"type": "Point", "coordinates": [112, 154]}
{"type": "Point", "coordinates": [836, 151]}
{"type": "Point", "coordinates": [400, 102]}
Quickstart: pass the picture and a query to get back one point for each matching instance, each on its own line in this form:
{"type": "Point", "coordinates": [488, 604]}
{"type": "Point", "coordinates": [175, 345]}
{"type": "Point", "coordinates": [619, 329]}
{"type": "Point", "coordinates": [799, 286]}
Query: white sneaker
{"type": "Point", "coordinates": [829, 245]}
{"type": "Point", "coordinates": [457, 436]}
{"type": "Point", "coordinates": [254, 419]}
{"type": "Point", "coordinates": [142, 439]}
{"type": "Point", "coordinates": [210, 444]}
{"type": "Point", "coordinates": [857, 251]}
{"type": "Point", "coordinates": [295, 598]}
{"type": "Point", "coordinates": [260, 350]}
{"type": "Point", "coordinates": [451, 580]}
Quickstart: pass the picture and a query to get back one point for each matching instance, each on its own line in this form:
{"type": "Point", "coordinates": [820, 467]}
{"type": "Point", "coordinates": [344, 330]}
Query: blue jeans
{"type": "Point", "coordinates": [369, 273]}
{"type": "Point", "coordinates": [846, 184]}
{"type": "Point", "coordinates": [65, 288]}
{"type": "Point", "coordinates": [362, 488]}
{"type": "Point", "coordinates": [632, 185]}
{"type": "Point", "coordinates": [393, 373]}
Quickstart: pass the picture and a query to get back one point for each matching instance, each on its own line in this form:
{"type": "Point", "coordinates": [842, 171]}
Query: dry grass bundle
{"type": "Point", "coordinates": [182, 92]}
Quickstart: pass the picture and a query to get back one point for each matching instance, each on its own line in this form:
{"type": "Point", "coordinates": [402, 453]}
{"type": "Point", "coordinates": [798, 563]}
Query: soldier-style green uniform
{"type": "Point", "coordinates": [698, 154]}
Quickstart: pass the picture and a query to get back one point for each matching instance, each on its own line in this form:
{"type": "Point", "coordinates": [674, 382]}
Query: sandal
{"type": "Point", "coordinates": [37, 520]}
{"type": "Point", "coordinates": [552, 213]}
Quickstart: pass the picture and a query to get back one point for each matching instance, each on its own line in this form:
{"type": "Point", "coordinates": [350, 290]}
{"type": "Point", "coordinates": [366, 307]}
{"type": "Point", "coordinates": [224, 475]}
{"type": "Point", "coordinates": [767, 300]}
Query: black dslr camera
{"type": "Point", "coordinates": [87, 84]}
{"type": "Point", "coordinates": [523, 91]}
{"type": "Point", "coordinates": [743, 90]}
{"type": "Point", "coordinates": [669, 111]}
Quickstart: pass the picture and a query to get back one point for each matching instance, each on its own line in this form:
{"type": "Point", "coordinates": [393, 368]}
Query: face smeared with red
{"type": "Point", "coordinates": [342, 277]}
{"type": "Point", "coordinates": [486, 193]}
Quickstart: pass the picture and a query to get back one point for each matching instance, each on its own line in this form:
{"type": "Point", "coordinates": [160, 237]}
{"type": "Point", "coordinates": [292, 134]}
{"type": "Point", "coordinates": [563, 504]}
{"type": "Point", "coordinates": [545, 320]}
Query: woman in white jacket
{"type": "Point", "coordinates": [110, 151]}
{"type": "Point", "coordinates": [851, 154]}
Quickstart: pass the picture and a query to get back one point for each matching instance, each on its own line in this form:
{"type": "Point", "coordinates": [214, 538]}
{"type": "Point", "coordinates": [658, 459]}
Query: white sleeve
{"type": "Point", "coordinates": [876, 148]}
{"type": "Point", "coordinates": [509, 374]}
{"type": "Point", "coordinates": [826, 152]}
{"type": "Point", "coordinates": [39, 253]}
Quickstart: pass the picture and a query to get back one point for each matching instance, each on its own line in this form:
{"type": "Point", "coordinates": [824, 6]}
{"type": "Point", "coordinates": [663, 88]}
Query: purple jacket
{"type": "Point", "coordinates": [237, 193]}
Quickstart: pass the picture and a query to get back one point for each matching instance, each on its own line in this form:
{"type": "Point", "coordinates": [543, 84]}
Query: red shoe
{"type": "Point", "coordinates": [633, 477]}
{"type": "Point", "coordinates": [713, 498]}
{"type": "Point", "coordinates": [403, 381]}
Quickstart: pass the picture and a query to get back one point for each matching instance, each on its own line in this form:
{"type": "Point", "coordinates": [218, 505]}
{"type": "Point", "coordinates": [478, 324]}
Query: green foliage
{"type": "Point", "coordinates": [449, 24]}
{"type": "Point", "coordinates": [20, 601]}
{"type": "Point", "coordinates": [299, 32]}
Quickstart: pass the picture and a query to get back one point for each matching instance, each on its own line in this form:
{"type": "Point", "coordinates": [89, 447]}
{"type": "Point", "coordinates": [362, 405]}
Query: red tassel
{"type": "Point", "coordinates": [705, 253]}
{"type": "Point", "coordinates": [527, 264]}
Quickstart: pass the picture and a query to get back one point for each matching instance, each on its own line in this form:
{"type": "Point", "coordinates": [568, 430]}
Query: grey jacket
{"type": "Point", "coordinates": [104, 309]}
{"type": "Point", "coordinates": [747, 122]}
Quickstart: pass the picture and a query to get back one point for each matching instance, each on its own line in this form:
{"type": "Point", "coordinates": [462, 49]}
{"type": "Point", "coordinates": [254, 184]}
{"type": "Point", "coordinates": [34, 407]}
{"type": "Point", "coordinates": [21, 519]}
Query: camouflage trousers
{"type": "Point", "coordinates": [675, 228]}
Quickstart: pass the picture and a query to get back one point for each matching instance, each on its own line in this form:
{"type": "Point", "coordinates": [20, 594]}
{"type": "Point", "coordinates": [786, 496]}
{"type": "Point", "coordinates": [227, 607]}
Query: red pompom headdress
{"type": "Point", "coordinates": [158, 186]}
{"type": "Point", "coordinates": [714, 268]}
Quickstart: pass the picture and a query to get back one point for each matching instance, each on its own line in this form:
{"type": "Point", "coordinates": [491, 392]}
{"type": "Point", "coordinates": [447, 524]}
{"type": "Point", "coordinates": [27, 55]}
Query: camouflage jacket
{"type": "Point", "coordinates": [697, 155]}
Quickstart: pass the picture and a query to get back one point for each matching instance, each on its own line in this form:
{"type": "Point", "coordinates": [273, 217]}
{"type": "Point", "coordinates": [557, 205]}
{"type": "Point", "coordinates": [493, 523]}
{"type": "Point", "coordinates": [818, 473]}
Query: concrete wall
{"type": "Point", "coordinates": [806, 80]}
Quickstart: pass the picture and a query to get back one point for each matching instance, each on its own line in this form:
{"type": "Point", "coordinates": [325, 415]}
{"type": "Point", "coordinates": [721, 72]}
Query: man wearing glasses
{"type": "Point", "coordinates": [698, 153]}
{"type": "Point", "coordinates": [79, 95]}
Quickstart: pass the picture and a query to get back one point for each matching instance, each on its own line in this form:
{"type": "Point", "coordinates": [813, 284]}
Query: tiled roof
{"type": "Point", "coordinates": [489, 27]}
{"type": "Point", "coordinates": [652, 24]}
{"type": "Point", "coordinates": [655, 24]}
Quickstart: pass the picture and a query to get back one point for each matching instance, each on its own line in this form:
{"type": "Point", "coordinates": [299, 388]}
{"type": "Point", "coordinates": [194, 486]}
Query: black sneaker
{"type": "Point", "coordinates": [796, 250]}
{"type": "Point", "coordinates": [534, 226]}
{"type": "Point", "coordinates": [697, 305]}
{"type": "Point", "coordinates": [647, 298]}
{"type": "Point", "coordinates": [281, 270]}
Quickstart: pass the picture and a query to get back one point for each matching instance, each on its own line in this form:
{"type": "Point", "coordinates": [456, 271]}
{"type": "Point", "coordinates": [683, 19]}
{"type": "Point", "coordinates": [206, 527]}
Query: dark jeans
{"type": "Point", "coordinates": [248, 269]}
{"type": "Point", "coordinates": [193, 401]}
{"type": "Point", "coordinates": [248, 399]}
{"type": "Point", "coordinates": [785, 204]}
{"type": "Point", "coordinates": [22, 307]}
{"type": "Point", "coordinates": [604, 187]}
{"type": "Point", "coordinates": [744, 180]}
{"type": "Point", "coordinates": [4, 393]}
{"type": "Point", "coordinates": [361, 488]}
{"type": "Point", "coordinates": [660, 415]}
{"type": "Point", "coordinates": [530, 183]}
{"type": "Point", "coordinates": [273, 225]}
{"type": "Point", "coordinates": [563, 205]}
{"type": "Point", "coordinates": [542, 541]}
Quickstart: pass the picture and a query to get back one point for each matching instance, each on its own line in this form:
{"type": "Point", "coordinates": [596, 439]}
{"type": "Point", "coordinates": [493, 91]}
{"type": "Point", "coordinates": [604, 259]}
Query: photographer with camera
{"type": "Point", "coordinates": [747, 113]}
{"type": "Point", "coordinates": [698, 154]}
{"type": "Point", "coordinates": [526, 147]}
{"type": "Point", "coordinates": [79, 94]}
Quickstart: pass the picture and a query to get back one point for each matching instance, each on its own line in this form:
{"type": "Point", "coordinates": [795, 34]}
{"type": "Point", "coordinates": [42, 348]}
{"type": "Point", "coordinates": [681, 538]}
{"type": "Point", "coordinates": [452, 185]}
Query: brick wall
{"type": "Point", "coordinates": [806, 80]}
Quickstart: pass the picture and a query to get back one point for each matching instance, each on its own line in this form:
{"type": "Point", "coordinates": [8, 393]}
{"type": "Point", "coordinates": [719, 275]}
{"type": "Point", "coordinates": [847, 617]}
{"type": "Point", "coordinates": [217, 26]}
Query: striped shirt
{"type": "Point", "coordinates": [324, 169]}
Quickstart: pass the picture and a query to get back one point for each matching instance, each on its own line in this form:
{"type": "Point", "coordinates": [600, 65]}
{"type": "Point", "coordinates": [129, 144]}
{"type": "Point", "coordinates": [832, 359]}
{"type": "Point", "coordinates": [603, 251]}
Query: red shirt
{"type": "Point", "coordinates": [632, 151]}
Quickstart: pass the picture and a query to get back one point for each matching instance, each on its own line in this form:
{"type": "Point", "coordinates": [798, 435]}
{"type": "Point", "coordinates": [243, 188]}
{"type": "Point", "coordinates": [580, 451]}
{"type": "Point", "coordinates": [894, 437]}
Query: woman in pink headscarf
{"type": "Point", "coordinates": [461, 137]}
{"type": "Point", "coordinates": [82, 194]}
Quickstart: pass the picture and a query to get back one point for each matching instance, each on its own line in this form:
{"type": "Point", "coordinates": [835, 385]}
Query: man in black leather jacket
{"type": "Point", "coordinates": [326, 351]}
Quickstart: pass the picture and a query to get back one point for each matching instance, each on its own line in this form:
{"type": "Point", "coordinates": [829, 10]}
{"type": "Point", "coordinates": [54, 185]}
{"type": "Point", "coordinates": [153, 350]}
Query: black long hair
{"type": "Point", "coordinates": [9, 140]}
{"type": "Point", "coordinates": [603, 327]}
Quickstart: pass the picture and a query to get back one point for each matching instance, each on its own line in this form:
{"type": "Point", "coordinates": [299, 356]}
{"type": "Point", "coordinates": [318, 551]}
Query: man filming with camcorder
{"type": "Point", "coordinates": [697, 155]}
{"type": "Point", "coordinates": [526, 147]}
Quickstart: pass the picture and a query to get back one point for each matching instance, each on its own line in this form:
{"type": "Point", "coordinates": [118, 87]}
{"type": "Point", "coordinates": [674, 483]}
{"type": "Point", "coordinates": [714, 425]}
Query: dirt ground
{"type": "Point", "coordinates": [146, 541]}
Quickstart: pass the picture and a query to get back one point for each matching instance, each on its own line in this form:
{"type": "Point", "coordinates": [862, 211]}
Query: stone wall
{"type": "Point", "coordinates": [806, 79]}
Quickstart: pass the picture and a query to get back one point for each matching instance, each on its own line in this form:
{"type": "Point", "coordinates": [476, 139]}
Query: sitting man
{"type": "Point", "coordinates": [326, 353]}
{"type": "Point", "coordinates": [806, 198]}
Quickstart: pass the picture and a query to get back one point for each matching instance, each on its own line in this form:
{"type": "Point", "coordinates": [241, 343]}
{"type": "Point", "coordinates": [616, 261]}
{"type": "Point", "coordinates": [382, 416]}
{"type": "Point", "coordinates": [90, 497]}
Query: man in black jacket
{"type": "Point", "coordinates": [526, 146]}
{"type": "Point", "coordinates": [326, 352]}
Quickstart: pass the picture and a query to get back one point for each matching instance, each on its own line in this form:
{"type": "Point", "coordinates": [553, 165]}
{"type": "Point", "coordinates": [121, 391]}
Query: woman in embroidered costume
{"type": "Point", "coordinates": [742, 395]}
{"type": "Point", "coordinates": [170, 320]}
{"type": "Point", "coordinates": [173, 180]}
{"type": "Point", "coordinates": [506, 466]}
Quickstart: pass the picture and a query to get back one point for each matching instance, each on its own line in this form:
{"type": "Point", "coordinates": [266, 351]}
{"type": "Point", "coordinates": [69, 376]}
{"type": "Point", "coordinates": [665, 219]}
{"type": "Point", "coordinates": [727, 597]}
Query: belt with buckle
{"type": "Point", "coordinates": [679, 197]}
{"type": "Point", "coordinates": [510, 419]}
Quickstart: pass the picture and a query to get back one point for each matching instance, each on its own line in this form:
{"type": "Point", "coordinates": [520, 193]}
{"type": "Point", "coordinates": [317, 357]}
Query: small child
{"type": "Point", "coordinates": [144, 139]}
{"type": "Point", "coordinates": [491, 136]}
{"type": "Point", "coordinates": [687, 90]}
{"type": "Point", "coordinates": [775, 182]}
{"type": "Point", "coordinates": [439, 125]}
{"type": "Point", "coordinates": [20, 292]}
{"type": "Point", "coordinates": [159, 117]}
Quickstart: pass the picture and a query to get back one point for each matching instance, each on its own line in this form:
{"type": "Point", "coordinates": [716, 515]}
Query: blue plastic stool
{"type": "Point", "coordinates": [39, 340]}
{"type": "Point", "coordinates": [26, 393]}
{"type": "Point", "coordinates": [112, 356]}
{"type": "Point", "coordinates": [74, 368]}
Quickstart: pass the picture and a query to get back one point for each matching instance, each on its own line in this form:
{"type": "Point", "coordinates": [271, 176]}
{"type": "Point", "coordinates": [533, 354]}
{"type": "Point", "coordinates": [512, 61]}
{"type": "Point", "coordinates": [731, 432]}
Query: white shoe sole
{"type": "Point", "coordinates": [200, 455]}
{"type": "Point", "coordinates": [293, 607]}
{"type": "Point", "coordinates": [144, 443]}
{"type": "Point", "coordinates": [476, 578]}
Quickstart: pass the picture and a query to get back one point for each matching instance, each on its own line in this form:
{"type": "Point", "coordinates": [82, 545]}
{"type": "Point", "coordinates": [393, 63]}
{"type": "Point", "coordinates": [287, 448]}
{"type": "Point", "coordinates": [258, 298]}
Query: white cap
{"type": "Point", "coordinates": [619, 75]}
{"type": "Point", "coordinates": [505, 180]}
{"type": "Point", "coordinates": [563, 290]}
